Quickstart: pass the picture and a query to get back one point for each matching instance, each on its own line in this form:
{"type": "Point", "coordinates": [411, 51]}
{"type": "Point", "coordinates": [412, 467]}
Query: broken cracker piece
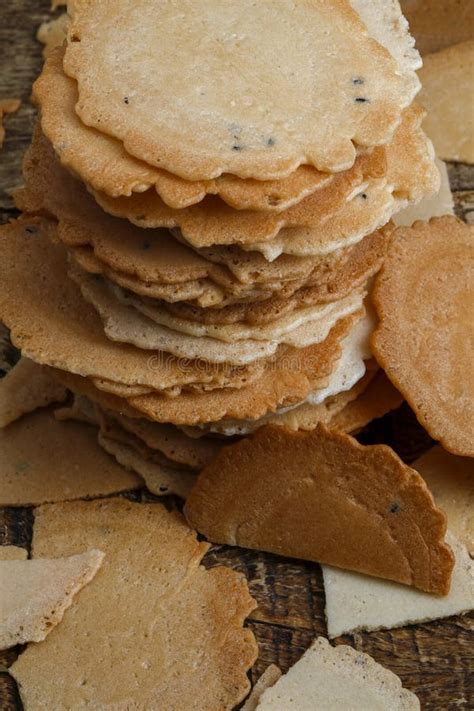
{"type": "Point", "coordinates": [155, 631]}
{"type": "Point", "coordinates": [36, 593]}
{"type": "Point", "coordinates": [13, 553]}
{"type": "Point", "coordinates": [161, 480]}
{"type": "Point", "coordinates": [43, 459]}
{"type": "Point", "coordinates": [322, 496]}
{"type": "Point", "coordinates": [27, 387]}
{"type": "Point", "coordinates": [335, 678]}
{"type": "Point", "coordinates": [427, 351]}
{"type": "Point", "coordinates": [7, 106]}
{"type": "Point", "coordinates": [357, 602]}
{"type": "Point", "coordinates": [269, 677]}
{"type": "Point", "coordinates": [52, 33]}
{"type": "Point", "coordinates": [451, 482]}
{"type": "Point", "coordinates": [448, 94]}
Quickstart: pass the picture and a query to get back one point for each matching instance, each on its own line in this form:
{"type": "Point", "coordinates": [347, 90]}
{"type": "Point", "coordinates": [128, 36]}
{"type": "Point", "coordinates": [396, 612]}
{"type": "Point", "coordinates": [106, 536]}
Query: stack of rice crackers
{"type": "Point", "coordinates": [210, 293]}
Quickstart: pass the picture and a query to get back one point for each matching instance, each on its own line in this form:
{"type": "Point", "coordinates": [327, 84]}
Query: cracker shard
{"type": "Point", "coordinates": [27, 387]}
{"type": "Point", "coordinates": [36, 593]}
{"type": "Point", "coordinates": [157, 631]}
{"type": "Point", "coordinates": [426, 352]}
{"type": "Point", "coordinates": [321, 496]}
{"type": "Point", "coordinates": [338, 678]}
{"type": "Point", "coordinates": [356, 602]}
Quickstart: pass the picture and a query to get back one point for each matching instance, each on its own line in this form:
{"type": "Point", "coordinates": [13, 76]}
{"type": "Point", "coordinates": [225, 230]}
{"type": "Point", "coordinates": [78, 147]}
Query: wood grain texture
{"type": "Point", "coordinates": [435, 660]}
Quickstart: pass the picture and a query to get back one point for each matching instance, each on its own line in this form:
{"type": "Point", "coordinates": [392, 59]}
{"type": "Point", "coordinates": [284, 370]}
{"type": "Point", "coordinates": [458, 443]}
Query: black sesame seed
{"type": "Point", "coordinates": [361, 100]}
{"type": "Point", "coordinates": [125, 100]}
{"type": "Point", "coordinates": [363, 196]}
{"type": "Point", "coordinates": [357, 81]}
{"type": "Point", "coordinates": [31, 229]}
{"type": "Point", "coordinates": [236, 147]}
{"type": "Point", "coordinates": [271, 142]}
{"type": "Point", "coordinates": [395, 507]}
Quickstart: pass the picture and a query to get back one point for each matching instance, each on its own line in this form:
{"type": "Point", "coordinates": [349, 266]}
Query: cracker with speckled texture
{"type": "Point", "coordinates": [299, 118]}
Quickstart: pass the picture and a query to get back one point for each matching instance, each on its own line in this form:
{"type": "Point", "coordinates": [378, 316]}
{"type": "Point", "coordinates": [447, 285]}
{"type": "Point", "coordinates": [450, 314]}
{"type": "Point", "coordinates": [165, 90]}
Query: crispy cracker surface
{"type": "Point", "coordinates": [427, 351]}
{"type": "Point", "coordinates": [43, 460]}
{"type": "Point", "coordinates": [199, 129]}
{"type": "Point", "coordinates": [36, 593]}
{"type": "Point", "coordinates": [322, 496]}
{"type": "Point", "coordinates": [155, 630]}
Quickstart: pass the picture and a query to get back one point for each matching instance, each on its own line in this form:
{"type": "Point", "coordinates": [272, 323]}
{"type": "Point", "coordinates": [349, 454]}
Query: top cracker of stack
{"type": "Point", "coordinates": [219, 191]}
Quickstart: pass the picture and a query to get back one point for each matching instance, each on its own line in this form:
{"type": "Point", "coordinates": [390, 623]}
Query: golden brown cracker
{"type": "Point", "coordinates": [423, 297]}
{"type": "Point", "coordinates": [27, 387]}
{"type": "Point", "coordinates": [7, 106]}
{"type": "Point", "coordinates": [160, 479]}
{"type": "Point", "coordinates": [45, 460]}
{"type": "Point", "coordinates": [286, 381]}
{"type": "Point", "coordinates": [322, 496]}
{"type": "Point", "coordinates": [52, 34]}
{"type": "Point", "coordinates": [52, 324]}
{"type": "Point", "coordinates": [378, 398]}
{"type": "Point", "coordinates": [196, 652]}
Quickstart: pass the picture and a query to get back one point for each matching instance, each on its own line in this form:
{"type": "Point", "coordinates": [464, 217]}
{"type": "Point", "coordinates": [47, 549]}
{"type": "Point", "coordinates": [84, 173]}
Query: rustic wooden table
{"type": "Point", "coordinates": [434, 660]}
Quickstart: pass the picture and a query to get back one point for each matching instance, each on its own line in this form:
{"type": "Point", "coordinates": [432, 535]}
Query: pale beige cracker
{"type": "Point", "coordinates": [322, 496]}
{"type": "Point", "coordinates": [448, 94]}
{"type": "Point", "coordinates": [13, 553]}
{"type": "Point", "coordinates": [197, 128]}
{"type": "Point", "coordinates": [35, 594]}
{"type": "Point", "coordinates": [356, 602]}
{"type": "Point", "coordinates": [285, 381]}
{"type": "Point", "coordinates": [437, 205]}
{"type": "Point", "coordinates": [427, 351]}
{"type": "Point", "coordinates": [102, 162]}
{"type": "Point", "coordinates": [174, 443]}
{"type": "Point", "coordinates": [159, 479]}
{"type": "Point", "coordinates": [25, 388]}
{"type": "Point", "coordinates": [195, 654]}
{"type": "Point", "coordinates": [336, 678]}
{"type": "Point", "coordinates": [52, 34]}
{"type": "Point", "coordinates": [451, 481]}
{"type": "Point", "coordinates": [268, 678]}
{"type": "Point", "coordinates": [45, 460]}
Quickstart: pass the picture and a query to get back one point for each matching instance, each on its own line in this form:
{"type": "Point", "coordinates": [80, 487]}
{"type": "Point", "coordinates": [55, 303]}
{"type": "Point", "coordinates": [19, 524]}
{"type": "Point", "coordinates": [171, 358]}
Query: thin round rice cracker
{"type": "Point", "coordinates": [53, 325]}
{"type": "Point", "coordinates": [176, 119]}
{"type": "Point", "coordinates": [286, 381]}
{"type": "Point", "coordinates": [102, 163]}
{"type": "Point", "coordinates": [424, 341]}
